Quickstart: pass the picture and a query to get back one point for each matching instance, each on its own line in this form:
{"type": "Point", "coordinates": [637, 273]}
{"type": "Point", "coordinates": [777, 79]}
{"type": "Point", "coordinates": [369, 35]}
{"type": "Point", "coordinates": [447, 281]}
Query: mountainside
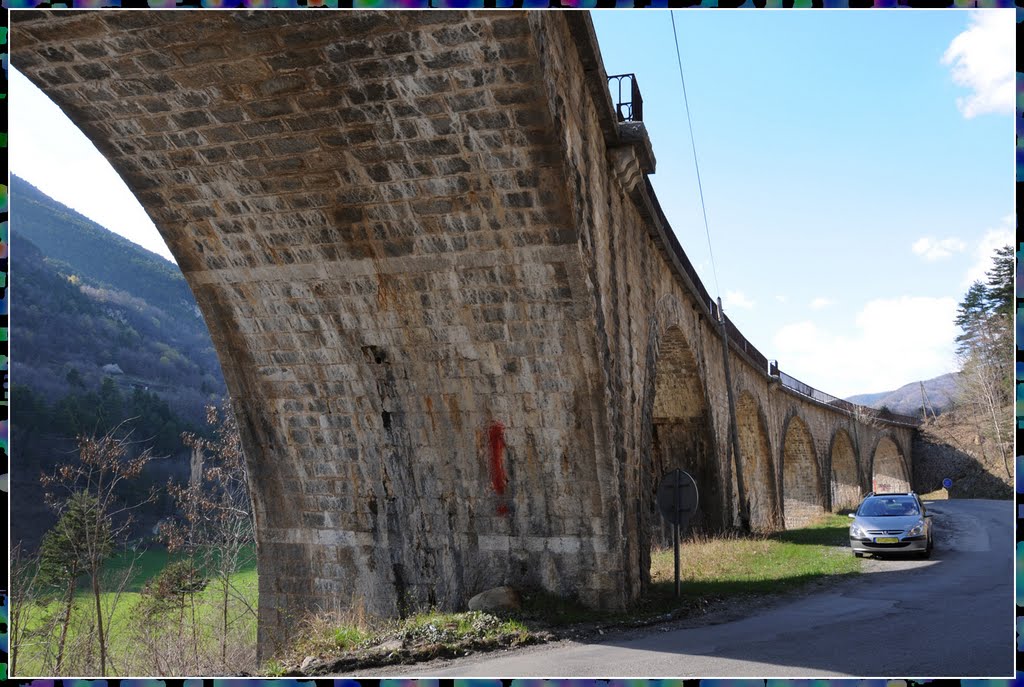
{"type": "Point", "coordinates": [940, 392]}
{"type": "Point", "coordinates": [83, 298]}
{"type": "Point", "coordinates": [75, 244]}
{"type": "Point", "coordinates": [103, 331]}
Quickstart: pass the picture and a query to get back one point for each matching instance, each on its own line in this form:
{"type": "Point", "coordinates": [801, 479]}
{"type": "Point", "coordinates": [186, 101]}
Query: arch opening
{"type": "Point", "coordinates": [888, 474]}
{"type": "Point", "coordinates": [758, 471]}
{"type": "Point", "coordinates": [801, 488]}
{"type": "Point", "coordinates": [681, 435]}
{"type": "Point", "coordinates": [845, 487]}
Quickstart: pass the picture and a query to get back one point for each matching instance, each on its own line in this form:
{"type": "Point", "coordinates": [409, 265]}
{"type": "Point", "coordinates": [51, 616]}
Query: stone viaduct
{"type": "Point", "coordinates": [462, 341]}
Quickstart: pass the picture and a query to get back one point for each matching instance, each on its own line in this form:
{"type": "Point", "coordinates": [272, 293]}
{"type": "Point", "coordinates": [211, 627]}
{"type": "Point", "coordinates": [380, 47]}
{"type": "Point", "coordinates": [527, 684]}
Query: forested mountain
{"type": "Point", "coordinates": [77, 245]}
{"type": "Point", "coordinates": [102, 331]}
{"type": "Point", "coordinates": [83, 298]}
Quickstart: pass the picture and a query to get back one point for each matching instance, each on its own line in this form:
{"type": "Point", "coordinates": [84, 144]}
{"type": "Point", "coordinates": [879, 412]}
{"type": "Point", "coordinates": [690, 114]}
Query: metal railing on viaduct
{"type": "Point", "coordinates": [625, 92]}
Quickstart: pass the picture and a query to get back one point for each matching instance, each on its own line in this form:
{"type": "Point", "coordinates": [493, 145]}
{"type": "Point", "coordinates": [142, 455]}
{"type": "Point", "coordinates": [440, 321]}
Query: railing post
{"type": "Point", "coordinates": [631, 110]}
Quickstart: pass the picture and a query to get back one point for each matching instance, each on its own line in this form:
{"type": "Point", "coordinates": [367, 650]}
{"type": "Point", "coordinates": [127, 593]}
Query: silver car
{"type": "Point", "coordinates": [891, 523]}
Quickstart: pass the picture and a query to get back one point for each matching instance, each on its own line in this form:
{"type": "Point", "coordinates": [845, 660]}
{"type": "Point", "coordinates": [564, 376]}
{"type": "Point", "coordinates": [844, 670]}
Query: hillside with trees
{"type": "Point", "coordinates": [104, 331]}
{"type": "Point", "coordinates": [972, 444]}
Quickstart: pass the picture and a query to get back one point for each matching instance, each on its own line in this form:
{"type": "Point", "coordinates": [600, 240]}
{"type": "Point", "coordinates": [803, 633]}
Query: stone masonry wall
{"type": "Point", "coordinates": [446, 313]}
{"type": "Point", "coordinates": [369, 210]}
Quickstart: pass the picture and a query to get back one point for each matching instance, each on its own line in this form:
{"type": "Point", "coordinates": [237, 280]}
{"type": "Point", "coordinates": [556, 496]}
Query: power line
{"type": "Point", "coordinates": [693, 145]}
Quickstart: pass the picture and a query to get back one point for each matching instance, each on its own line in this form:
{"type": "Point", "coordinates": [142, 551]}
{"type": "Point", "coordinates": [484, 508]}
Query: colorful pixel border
{"type": "Point", "coordinates": [525, 4]}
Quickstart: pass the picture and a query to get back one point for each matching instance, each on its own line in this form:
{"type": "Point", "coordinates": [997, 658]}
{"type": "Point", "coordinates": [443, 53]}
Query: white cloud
{"type": "Point", "coordinates": [821, 302]}
{"type": "Point", "coordinates": [931, 248]}
{"type": "Point", "coordinates": [737, 299]}
{"type": "Point", "coordinates": [981, 59]}
{"type": "Point", "coordinates": [896, 341]}
{"type": "Point", "coordinates": [986, 248]}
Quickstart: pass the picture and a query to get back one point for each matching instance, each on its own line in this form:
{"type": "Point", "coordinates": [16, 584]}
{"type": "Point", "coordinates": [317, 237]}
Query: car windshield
{"type": "Point", "coordinates": [881, 507]}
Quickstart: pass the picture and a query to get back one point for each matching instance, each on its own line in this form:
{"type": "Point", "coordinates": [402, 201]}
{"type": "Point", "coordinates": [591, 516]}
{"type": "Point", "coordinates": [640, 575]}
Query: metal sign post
{"type": "Point", "coordinates": [677, 500]}
{"type": "Point", "coordinates": [675, 538]}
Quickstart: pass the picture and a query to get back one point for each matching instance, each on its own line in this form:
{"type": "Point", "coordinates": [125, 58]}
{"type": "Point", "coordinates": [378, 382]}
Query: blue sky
{"type": "Point", "coordinates": [830, 145]}
{"type": "Point", "coordinates": [857, 170]}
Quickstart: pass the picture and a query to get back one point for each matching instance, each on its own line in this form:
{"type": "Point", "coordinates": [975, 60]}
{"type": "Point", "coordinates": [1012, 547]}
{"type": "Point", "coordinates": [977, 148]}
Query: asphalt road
{"type": "Point", "coordinates": [951, 616]}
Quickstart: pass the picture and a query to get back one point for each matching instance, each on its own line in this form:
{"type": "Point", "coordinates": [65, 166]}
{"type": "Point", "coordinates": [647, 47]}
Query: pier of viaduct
{"type": "Point", "coordinates": [461, 339]}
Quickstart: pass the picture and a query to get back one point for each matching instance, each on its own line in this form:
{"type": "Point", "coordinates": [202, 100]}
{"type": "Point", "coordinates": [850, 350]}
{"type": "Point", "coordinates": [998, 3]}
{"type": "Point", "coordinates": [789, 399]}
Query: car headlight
{"type": "Point", "coordinates": [857, 532]}
{"type": "Point", "coordinates": [916, 529]}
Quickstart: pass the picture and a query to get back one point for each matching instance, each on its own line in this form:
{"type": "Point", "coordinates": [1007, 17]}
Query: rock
{"type": "Point", "coordinates": [391, 646]}
{"type": "Point", "coordinates": [306, 663]}
{"type": "Point", "coordinates": [496, 599]}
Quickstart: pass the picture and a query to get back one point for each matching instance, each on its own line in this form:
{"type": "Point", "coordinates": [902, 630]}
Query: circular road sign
{"type": "Point", "coordinates": [947, 483]}
{"type": "Point", "coordinates": [677, 497]}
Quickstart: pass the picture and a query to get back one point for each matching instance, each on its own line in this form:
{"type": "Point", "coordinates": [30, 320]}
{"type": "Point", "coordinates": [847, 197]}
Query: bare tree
{"type": "Point", "coordinates": [24, 595]}
{"type": "Point", "coordinates": [90, 489]}
{"type": "Point", "coordinates": [216, 514]}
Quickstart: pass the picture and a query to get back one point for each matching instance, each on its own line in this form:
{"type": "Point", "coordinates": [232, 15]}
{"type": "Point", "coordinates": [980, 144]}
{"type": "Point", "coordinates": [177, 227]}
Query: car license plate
{"type": "Point", "coordinates": [887, 540]}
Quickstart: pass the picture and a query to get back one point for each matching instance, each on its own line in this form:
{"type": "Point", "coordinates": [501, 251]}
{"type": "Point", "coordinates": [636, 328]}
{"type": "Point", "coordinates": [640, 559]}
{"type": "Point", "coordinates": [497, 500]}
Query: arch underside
{"type": "Point", "coordinates": [802, 498]}
{"type": "Point", "coordinates": [888, 473]}
{"type": "Point", "coordinates": [758, 469]}
{"type": "Point", "coordinates": [681, 429]}
{"type": "Point", "coordinates": [846, 491]}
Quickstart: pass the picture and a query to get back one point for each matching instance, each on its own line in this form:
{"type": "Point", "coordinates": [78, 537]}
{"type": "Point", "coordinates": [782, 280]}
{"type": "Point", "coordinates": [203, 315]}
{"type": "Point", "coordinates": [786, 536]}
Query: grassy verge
{"type": "Point", "coordinates": [712, 568]}
{"type": "Point", "coordinates": [724, 567]}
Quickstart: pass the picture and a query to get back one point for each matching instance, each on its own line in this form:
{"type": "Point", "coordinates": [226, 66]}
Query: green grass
{"type": "Point", "coordinates": [358, 642]}
{"type": "Point", "coordinates": [148, 564]}
{"type": "Point", "coordinates": [451, 628]}
{"type": "Point", "coordinates": [731, 566]}
{"type": "Point", "coordinates": [349, 637]}
{"type": "Point", "coordinates": [127, 614]}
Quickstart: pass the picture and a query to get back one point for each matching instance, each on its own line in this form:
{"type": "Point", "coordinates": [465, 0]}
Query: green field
{"type": "Point", "coordinates": [139, 643]}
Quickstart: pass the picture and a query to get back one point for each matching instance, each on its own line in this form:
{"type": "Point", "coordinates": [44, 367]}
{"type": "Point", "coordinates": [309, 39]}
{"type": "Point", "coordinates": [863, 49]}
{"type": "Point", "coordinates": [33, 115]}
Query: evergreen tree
{"type": "Point", "coordinates": [67, 551]}
{"type": "Point", "coordinates": [972, 317]}
{"type": "Point", "coordinates": [1000, 282]}
{"type": "Point", "coordinates": [89, 489]}
{"type": "Point", "coordinates": [985, 350]}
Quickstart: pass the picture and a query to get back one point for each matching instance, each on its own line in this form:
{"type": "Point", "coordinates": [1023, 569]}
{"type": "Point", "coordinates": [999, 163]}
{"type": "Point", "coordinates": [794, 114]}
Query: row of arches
{"type": "Point", "coordinates": [784, 488]}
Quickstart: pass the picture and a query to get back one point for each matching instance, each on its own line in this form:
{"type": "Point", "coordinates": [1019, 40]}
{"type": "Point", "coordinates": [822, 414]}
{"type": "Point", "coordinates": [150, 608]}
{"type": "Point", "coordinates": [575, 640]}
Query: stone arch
{"type": "Point", "coordinates": [801, 486]}
{"type": "Point", "coordinates": [677, 427]}
{"type": "Point", "coordinates": [845, 484]}
{"type": "Point", "coordinates": [681, 435]}
{"type": "Point", "coordinates": [888, 467]}
{"type": "Point", "coordinates": [758, 468]}
{"type": "Point", "coordinates": [460, 376]}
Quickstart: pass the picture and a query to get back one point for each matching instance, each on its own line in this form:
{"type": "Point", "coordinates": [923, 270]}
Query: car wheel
{"type": "Point", "coordinates": [927, 553]}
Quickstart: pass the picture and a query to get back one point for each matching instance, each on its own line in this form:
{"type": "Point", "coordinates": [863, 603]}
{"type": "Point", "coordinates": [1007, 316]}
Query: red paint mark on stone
{"type": "Point", "coordinates": [496, 442]}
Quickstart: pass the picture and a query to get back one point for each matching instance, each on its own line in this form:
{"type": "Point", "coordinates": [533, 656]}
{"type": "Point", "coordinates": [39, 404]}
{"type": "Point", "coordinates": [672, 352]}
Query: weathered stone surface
{"type": "Point", "coordinates": [461, 340]}
{"type": "Point", "coordinates": [503, 598]}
